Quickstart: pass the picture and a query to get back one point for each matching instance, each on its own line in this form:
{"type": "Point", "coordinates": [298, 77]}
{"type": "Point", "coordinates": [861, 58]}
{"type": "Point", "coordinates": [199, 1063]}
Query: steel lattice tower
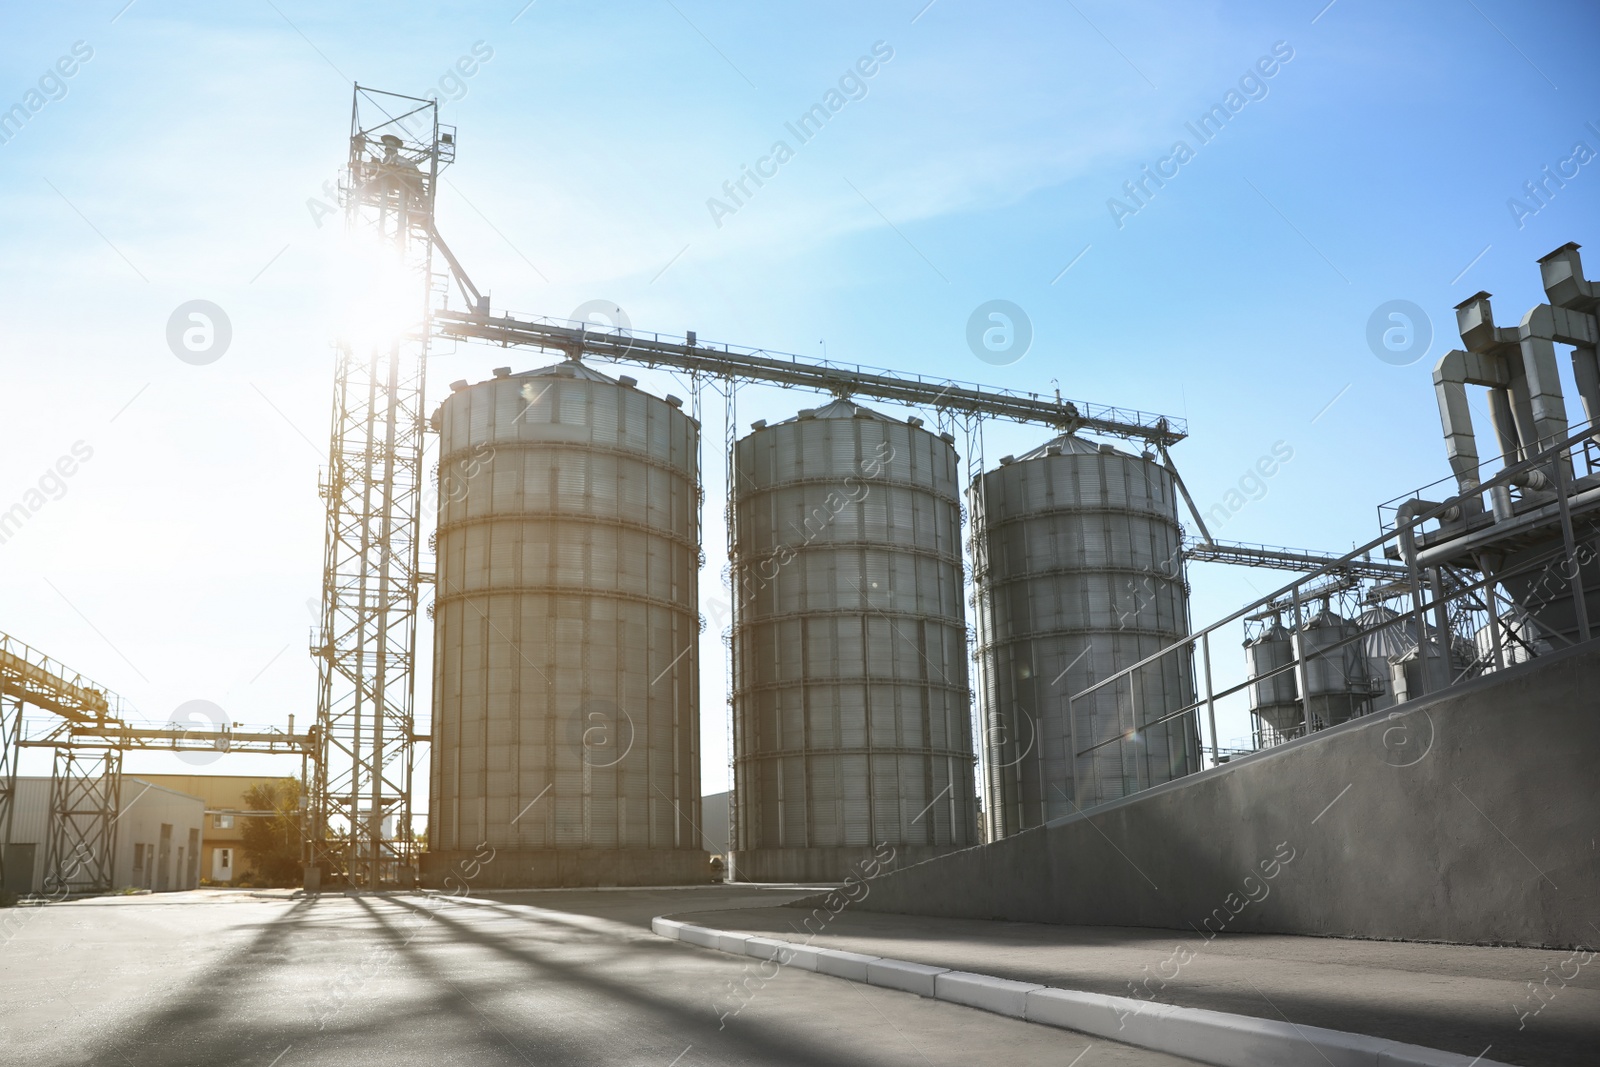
{"type": "Point", "coordinates": [359, 828]}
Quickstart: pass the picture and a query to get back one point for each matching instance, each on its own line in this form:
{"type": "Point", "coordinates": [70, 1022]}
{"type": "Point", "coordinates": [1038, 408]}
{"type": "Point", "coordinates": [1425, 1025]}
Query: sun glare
{"type": "Point", "coordinates": [380, 298]}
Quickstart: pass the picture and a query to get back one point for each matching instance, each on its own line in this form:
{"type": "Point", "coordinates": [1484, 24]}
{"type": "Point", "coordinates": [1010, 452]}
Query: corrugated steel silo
{"type": "Point", "coordinates": [1389, 637]}
{"type": "Point", "coordinates": [1274, 700]}
{"type": "Point", "coordinates": [1420, 672]}
{"type": "Point", "coordinates": [566, 683]}
{"type": "Point", "coordinates": [1338, 679]}
{"type": "Point", "coordinates": [1078, 571]}
{"type": "Point", "coordinates": [852, 721]}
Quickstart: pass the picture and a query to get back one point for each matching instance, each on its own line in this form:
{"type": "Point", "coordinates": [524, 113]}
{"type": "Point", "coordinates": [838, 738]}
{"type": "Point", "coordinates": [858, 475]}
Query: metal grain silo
{"type": "Point", "coordinates": [1079, 574]}
{"type": "Point", "coordinates": [1388, 637]}
{"type": "Point", "coordinates": [566, 615]}
{"type": "Point", "coordinates": [1275, 700]}
{"type": "Point", "coordinates": [1338, 681]}
{"type": "Point", "coordinates": [1427, 670]}
{"type": "Point", "coordinates": [851, 711]}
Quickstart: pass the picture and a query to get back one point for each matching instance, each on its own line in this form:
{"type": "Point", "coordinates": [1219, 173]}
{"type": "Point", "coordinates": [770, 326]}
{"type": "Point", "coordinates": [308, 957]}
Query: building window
{"type": "Point", "coordinates": [224, 822]}
{"type": "Point", "coordinates": [138, 857]}
{"type": "Point", "coordinates": [227, 857]}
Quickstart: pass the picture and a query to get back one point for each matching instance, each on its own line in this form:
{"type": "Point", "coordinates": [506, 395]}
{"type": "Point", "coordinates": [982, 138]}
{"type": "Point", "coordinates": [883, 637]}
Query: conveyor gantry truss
{"type": "Point", "coordinates": [1291, 559]}
{"type": "Point", "coordinates": [735, 363]}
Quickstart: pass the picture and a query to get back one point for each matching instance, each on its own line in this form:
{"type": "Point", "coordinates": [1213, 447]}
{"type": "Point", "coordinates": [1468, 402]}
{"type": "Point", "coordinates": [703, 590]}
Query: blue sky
{"type": "Point", "coordinates": [178, 162]}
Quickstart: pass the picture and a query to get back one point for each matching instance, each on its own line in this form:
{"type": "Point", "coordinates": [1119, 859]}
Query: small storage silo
{"type": "Point", "coordinates": [852, 720]}
{"type": "Point", "coordinates": [1389, 636]}
{"type": "Point", "coordinates": [566, 616]}
{"type": "Point", "coordinates": [1079, 573]}
{"type": "Point", "coordinates": [1337, 681]}
{"type": "Point", "coordinates": [1419, 673]}
{"type": "Point", "coordinates": [1275, 700]}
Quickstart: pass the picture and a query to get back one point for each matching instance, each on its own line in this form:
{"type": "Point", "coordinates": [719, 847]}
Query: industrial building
{"type": "Point", "coordinates": [222, 858]}
{"type": "Point", "coordinates": [1503, 549]}
{"type": "Point", "coordinates": [157, 840]}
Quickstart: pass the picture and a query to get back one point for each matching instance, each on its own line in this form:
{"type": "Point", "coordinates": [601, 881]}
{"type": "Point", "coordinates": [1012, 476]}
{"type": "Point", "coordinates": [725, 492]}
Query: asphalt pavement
{"type": "Point", "coordinates": [550, 978]}
{"type": "Point", "coordinates": [1513, 1005]}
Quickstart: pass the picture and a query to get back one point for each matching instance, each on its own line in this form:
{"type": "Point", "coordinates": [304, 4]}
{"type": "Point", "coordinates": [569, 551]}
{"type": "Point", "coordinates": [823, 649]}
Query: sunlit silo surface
{"type": "Point", "coordinates": [1078, 572]}
{"type": "Point", "coordinates": [566, 684]}
{"type": "Point", "coordinates": [851, 707]}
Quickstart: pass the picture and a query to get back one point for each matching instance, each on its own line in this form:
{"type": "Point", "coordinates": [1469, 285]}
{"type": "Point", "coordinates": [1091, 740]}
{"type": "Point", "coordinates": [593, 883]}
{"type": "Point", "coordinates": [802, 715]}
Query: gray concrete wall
{"type": "Point", "coordinates": [1469, 817]}
{"type": "Point", "coordinates": [488, 868]}
{"type": "Point", "coordinates": [824, 865]}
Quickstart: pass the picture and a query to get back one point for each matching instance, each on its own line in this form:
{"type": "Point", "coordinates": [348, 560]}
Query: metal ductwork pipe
{"type": "Point", "coordinates": [1455, 416]}
{"type": "Point", "coordinates": [1536, 338]}
{"type": "Point", "coordinates": [1404, 518]}
{"type": "Point", "coordinates": [1573, 303]}
{"type": "Point", "coordinates": [1505, 425]}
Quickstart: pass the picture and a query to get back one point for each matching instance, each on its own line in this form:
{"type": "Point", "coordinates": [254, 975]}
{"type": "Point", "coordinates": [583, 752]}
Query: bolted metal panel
{"type": "Point", "coordinates": [1078, 574]}
{"type": "Point", "coordinates": [566, 685]}
{"type": "Point", "coordinates": [850, 695]}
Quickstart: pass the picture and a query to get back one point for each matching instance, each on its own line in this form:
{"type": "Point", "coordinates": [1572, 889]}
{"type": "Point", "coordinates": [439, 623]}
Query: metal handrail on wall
{"type": "Point", "coordinates": [1431, 593]}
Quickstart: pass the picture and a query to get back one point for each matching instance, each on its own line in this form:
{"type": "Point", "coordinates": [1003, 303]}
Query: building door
{"type": "Point", "coordinates": [164, 859]}
{"type": "Point", "coordinates": [222, 865]}
{"type": "Point", "coordinates": [19, 868]}
{"type": "Point", "coordinates": [191, 873]}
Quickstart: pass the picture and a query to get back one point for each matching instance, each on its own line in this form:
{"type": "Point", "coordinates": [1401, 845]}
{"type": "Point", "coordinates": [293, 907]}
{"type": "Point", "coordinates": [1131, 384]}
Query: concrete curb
{"type": "Point", "coordinates": [1208, 1036]}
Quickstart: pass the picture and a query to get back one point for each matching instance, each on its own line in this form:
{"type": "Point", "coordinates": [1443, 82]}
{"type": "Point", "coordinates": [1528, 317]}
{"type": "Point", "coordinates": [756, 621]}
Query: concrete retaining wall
{"type": "Point", "coordinates": [553, 868]}
{"type": "Point", "coordinates": [1470, 817]}
{"type": "Point", "coordinates": [824, 865]}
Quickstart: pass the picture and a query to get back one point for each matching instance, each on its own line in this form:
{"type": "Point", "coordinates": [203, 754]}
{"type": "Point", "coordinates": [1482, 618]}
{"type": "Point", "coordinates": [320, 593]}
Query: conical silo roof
{"type": "Point", "coordinates": [1070, 445]}
{"type": "Point", "coordinates": [841, 408]}
{"type": "Point", "coordinates": [1385, 639]}
{"type": "Point", "coordinates": [567, 368]}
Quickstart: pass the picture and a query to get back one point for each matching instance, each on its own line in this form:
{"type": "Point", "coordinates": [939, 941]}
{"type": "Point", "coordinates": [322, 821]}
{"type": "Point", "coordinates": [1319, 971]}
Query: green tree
{"type": "Point", "coordinates": [272, 841]}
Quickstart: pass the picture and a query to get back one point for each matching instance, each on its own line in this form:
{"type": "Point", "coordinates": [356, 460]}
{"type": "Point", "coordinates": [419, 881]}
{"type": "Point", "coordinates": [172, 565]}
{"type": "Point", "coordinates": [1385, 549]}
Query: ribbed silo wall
{"type": "Point", "coordinates": [1078, 574]}
{"type": "Point", "coordinates": [566, 682]}
{"type": "Point", "coordinates": [850, 693]}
